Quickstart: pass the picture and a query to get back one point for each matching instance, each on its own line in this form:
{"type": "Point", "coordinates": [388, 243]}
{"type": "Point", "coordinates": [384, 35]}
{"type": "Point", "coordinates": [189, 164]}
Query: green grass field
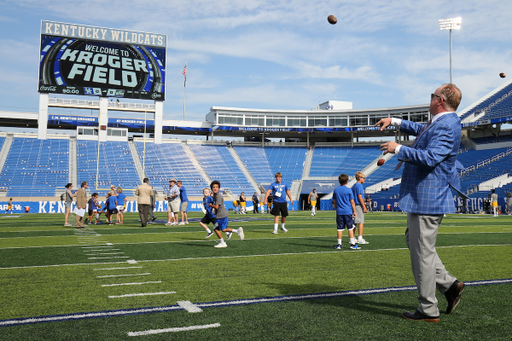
{"type": "Point", "coordinates": [294, 286]}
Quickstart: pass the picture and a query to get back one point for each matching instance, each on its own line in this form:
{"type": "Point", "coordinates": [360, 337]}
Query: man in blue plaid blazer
{"type": "Point", "coordinates": [425, 194]}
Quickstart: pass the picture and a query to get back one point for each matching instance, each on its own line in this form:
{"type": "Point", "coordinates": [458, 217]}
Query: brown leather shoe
{"type": "Point", "coordinates": [453, 295]}
{"type": "Point", "coordinates": [419, 316]}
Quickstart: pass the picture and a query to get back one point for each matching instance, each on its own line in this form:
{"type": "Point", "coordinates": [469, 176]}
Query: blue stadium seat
{"type": "Point", "coordinates": [170, 160]}
{"type": "Point", "coordinates": [35, 167]}
{"type": "Point", "coordinates": [116, 165]}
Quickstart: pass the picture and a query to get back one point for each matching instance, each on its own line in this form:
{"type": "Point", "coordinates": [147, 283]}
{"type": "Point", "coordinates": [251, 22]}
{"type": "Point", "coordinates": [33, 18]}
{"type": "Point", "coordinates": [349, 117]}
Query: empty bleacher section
{"type": "Point", "coordinates": [41, 168]}
{"type": "Point", "coordinates": [35, 167]}
{"type": "Point", "coordinates": [472, 158]}
{"type": "Point", "coordinates": [170, 160]}
{"type": "Point", "coordinates": [333, 161]}
{"type": "Point", "coordinates": [493, 139]}
{"type": "Point", "coordinates": [488, 164]}
{"type": "Point", "coordinates": [116, 166]}
{"type": "Point", "coordinates": [256, 161]}
{"type": "Point", "coordinates": [218, 162]}
{"type": "Point", "coordinates": [493, 106]}
{"type": "Point", "coordinates": [287, 160]}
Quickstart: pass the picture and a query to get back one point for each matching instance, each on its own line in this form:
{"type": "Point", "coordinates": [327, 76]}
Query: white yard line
{"type": "Point", "coordinates": [104, 254]}
{"type": "Point", "coordinates": [144, 294]}
{"type": "Point", "coordinates": [124, 275]}
{"type": "Point", "coordinates": [101, 250]}
{"type": "Point", "coordinates": [138, 283]}
{"type": "Point", "coordinates": [126, 267]}
{"type": "Point", "coordinates": [173, 330]}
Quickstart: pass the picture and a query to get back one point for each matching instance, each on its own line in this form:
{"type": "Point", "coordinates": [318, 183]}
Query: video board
{"type": "Point", "coordinates": [96, 61]}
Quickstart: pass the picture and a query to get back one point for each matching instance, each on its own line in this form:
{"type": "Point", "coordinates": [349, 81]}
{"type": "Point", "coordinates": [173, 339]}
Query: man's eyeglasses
{"type": "Point", "coordinates": [434, 95]}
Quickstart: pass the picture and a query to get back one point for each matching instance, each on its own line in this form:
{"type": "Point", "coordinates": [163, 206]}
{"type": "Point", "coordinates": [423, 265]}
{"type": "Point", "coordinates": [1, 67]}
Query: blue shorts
{"type": "Point", "coordinates": [345, 220]}
{"type": "Point", "coordinates": [221, 224]}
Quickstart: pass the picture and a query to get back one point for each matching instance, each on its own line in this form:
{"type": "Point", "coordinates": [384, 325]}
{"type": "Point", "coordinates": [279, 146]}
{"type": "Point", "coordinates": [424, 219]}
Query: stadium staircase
{"type": "Point", "coordinates": [136, 160]}
{"type": "Point", "coordinates": [73, 178]}
{"type": "Point", "coordinates": [5, 150]}
{"type": "Point", "coordinates": [3, 156]}
{"type": "Point", "coordinates": [196, 163]}
{"type": "Point", "coordinates": [244, 169]}
{"type": "Point", "coordinates": [496, 182]}
{"type": "Point", "coordinates": [307, 163]}
{"type": "Point", "coordinates": [296, 189]}
{"type": "Point", "coordinates": [388, 183]}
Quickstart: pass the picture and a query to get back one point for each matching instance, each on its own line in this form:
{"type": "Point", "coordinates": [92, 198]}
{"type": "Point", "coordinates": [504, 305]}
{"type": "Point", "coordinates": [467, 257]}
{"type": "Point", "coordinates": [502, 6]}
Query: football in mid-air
{"type": "Point", "coordinates": [380, 162]}
{"type": "Point", "coordinates": [332, 19]}
{"type": "Point", "coordinates": [503, 75]}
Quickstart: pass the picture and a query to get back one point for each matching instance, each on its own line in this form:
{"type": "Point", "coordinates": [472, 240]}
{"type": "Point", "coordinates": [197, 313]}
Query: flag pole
{"type": "Point", "coordinates": [185, 90]}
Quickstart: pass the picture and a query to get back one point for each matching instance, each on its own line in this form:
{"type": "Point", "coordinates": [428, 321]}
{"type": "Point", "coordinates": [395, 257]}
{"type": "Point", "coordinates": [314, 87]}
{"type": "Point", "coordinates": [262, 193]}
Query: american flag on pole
{"type": "Point", "coordinates": [184, 72]}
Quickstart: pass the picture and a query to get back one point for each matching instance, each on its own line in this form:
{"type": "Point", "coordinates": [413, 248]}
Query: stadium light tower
{"type": "Point", "coordinates": [450, 24]}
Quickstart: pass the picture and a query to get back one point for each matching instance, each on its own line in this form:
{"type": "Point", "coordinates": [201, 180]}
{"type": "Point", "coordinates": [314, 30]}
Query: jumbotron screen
{"type": "Point", "coordinates": [96, 61]}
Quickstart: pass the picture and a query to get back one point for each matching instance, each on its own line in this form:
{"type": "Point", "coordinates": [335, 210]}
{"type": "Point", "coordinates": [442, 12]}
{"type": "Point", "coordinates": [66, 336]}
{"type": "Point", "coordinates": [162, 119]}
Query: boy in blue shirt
{"type": "Point", "coordinates": [358, 192]}
{"type": "Point", "coordinates": [111, 204]}
{"type": "Point", "coordinates": [184, 203]}
{"type": "Point", "coordinates": [120, 205]}
{"type": "Point", "coordinates": [279, 191]}
{"type": "Point", "coordinates": [221, 216]}
{"type": "Point", "coordinates": [209, 217]}
{"type": "Point", "coordinates": [343, 202]}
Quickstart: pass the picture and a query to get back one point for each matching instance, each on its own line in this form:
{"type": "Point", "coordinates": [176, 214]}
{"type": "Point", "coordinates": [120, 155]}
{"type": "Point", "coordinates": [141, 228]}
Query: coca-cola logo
{"type": "Point", "coordinates": [47, 88]}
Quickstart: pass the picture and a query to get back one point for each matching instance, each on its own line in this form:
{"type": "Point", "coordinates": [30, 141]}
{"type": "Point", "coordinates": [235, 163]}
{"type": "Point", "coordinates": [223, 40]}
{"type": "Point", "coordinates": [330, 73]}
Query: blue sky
{"type": "Point", "coordinates": [284, 55]}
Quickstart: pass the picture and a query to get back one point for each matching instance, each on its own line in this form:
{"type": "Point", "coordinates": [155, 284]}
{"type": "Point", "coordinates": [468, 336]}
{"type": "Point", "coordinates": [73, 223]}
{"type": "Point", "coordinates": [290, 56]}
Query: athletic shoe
{"type": "Point", "coordinates": [186, 222]}
{"type": "Point", "coordinates": [153, 219]}
{"type": "Point", "coordinates": [221, 244]}
{"type": "Point", "coordinates": [228, 235]}
{"type": "Point", "coordinates": [284, 230]}
{"type": "Point", "coordinates": [168, 224]}
{"type": "Point", "coordinates": [67, 224]}
{"type": "Point", "coordinates": [338, 247]}
{"type": "Point", "coordinates": [182, 223]}
{"type": "Point", "coordinates": [355, 247]}
{"type": "Point", "coordinates": [172, 224]}
{"type": "Point", "coordinates": [362, 241]}
{"type": "Point", "coordinates": [241, 233]}
{"type": "Point", "coordinates": [275, 232]}
{"type": "Point", "coordinates": [208, 235]}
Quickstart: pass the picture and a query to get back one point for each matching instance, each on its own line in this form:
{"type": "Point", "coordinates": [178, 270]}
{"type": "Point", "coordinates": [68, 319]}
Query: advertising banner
{"type": "Point", "coordinates": [96, 61]}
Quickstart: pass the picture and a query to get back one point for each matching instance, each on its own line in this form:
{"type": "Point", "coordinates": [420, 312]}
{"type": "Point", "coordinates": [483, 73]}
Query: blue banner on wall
{"type": "Point", "coordinates": [131, 206]}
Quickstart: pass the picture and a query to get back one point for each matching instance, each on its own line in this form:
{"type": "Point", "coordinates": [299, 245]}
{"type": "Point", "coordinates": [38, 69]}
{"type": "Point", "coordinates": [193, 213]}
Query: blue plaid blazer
{"type": "Point", "coordinates": [430, 166]}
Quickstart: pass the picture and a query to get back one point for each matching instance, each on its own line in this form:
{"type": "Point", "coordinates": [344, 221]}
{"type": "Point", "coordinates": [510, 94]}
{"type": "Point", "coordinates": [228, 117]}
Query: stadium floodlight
{"type": "Point", "coordinates": [450, 24]}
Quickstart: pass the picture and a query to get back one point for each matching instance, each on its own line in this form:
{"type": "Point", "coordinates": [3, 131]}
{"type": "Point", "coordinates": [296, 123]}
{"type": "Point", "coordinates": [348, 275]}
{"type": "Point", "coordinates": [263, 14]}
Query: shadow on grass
{"type": "Point", "coordinates": [363, 303]}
